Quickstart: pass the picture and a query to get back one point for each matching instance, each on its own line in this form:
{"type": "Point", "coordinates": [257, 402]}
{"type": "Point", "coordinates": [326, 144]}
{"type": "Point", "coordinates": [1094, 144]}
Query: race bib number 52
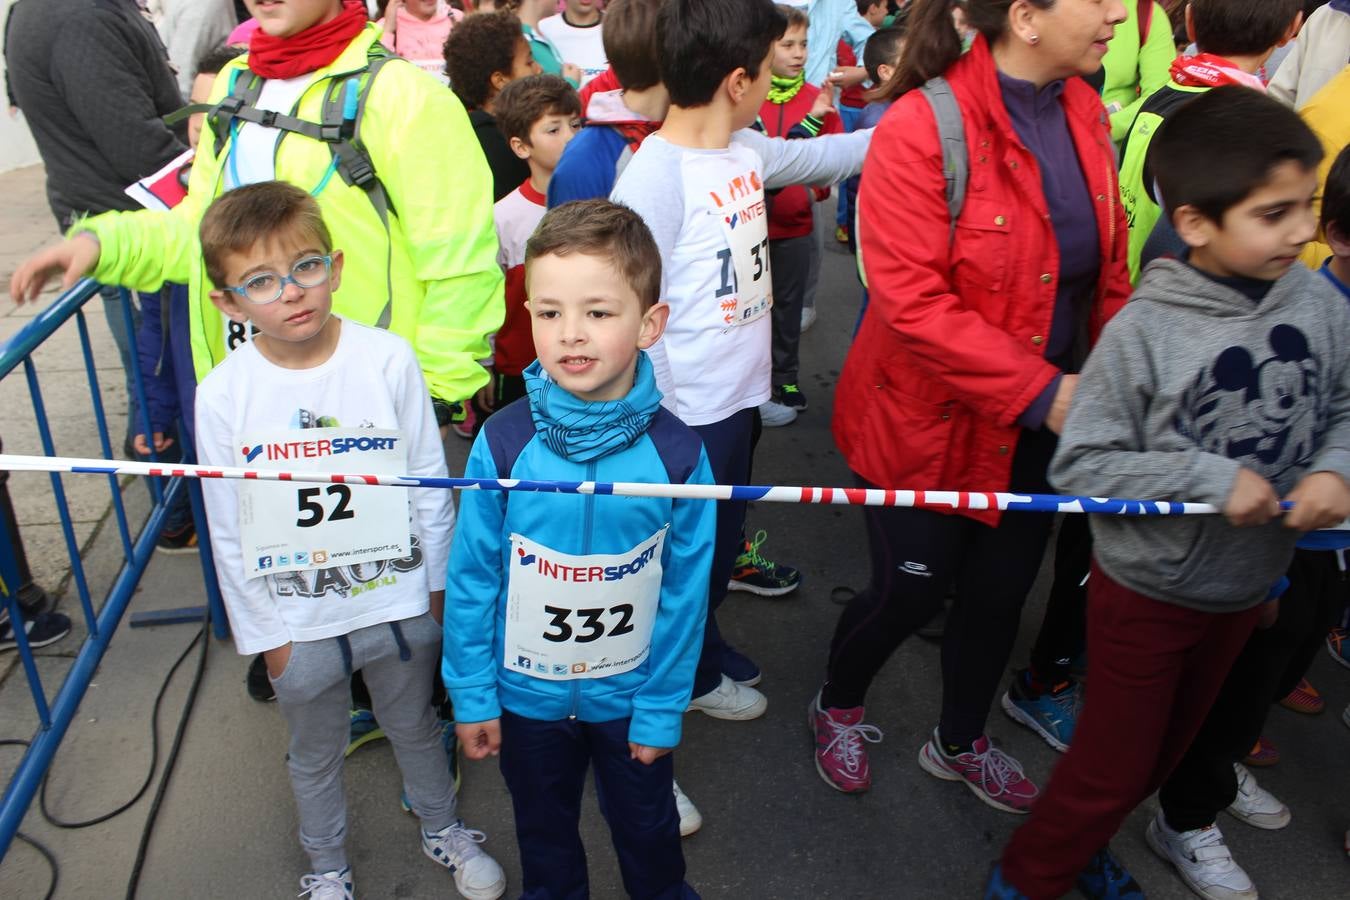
{"type": "Point", "coordinates": [295, 526]}
{"type": "Point", "coordinates": [581, 616]}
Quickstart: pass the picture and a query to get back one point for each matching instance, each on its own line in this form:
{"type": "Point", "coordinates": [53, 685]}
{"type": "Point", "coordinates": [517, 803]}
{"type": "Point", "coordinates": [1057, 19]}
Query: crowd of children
{"type": "Point", "coordinates": [611, 285]}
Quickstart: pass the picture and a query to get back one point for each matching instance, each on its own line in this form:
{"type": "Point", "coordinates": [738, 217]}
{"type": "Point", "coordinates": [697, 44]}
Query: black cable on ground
{"type": "Point", "coordinates": [172, 759]}
{"type": "Point", "coordinates": [46, 854]}
{"type": "Point", "coordinates": [169, 762]}
{"type": "Point", "coordinates": [154, 753]}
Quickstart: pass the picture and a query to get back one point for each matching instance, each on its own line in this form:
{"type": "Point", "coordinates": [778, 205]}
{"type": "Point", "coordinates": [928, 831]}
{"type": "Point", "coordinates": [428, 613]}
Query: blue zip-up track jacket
{"type": "Point", "coordinates": [657, 692]}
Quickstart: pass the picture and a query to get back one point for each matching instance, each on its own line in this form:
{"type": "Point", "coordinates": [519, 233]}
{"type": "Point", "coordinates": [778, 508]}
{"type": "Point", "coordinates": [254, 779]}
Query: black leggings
{"type": "Point", "coordinates": [916, 555]}
{"type": "Point", "coordinates": [1063, 633]}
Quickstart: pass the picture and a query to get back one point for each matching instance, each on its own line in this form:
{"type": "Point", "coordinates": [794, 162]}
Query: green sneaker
{"type": "Point", "coordinates": [757, 575]}
{"type": "Point", "coordinates": [364, 730]}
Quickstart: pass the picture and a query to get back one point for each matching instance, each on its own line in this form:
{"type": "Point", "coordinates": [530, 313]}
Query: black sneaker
{"type": "Point", "coordinates": [790, 396]}
{"type": "Point", "coordinates": [184, 540]}
{"type": "Point", "coordinates": [259, 685]}
{"type": "Point", "coordinates": [757, 575]}
{"type": "Point", "coordinates": [42, 629]}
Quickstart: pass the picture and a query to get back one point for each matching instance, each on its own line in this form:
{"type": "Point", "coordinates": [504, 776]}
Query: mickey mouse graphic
{"type": "Point", "coordinates": [1272, 401]}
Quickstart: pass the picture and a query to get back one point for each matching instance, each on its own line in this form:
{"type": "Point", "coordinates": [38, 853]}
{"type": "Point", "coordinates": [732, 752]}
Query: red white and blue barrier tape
{"type": "Point", "coordinates": [919, 499]}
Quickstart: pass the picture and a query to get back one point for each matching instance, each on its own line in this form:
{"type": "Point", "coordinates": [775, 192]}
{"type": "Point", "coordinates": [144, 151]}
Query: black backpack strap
{"type": "Point", "coordinates": [507, 431]}
{"type": "Point", "coordinates": [677, 444]}
{"type": "Point", "coordinates": [344, 107]}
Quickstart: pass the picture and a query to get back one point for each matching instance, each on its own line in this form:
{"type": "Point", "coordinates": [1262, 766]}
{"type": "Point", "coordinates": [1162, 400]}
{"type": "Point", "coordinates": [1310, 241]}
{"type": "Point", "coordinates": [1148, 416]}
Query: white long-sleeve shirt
{"type": "Point", "coordinates": [372, 380]}
{"type": "Point", "coordinates": [707, 368]}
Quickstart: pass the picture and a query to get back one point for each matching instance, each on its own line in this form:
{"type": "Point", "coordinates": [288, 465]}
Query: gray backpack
{"type": "Point", "coordinates": [955, 160]}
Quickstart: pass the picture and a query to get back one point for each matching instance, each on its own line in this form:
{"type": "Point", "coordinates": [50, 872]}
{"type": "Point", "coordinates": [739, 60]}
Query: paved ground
{"type": "Point", "coordinates": [773, 828]}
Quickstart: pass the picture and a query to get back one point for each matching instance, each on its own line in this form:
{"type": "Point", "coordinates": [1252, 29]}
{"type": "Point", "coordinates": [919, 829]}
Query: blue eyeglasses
{"type": "Point", "coordinates": [263, 288]}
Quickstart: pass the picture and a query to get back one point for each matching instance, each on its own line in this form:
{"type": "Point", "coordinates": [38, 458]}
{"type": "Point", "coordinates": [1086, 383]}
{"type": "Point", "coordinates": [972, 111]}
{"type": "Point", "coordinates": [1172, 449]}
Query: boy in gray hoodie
{"type": "Point", "coordinates": [1226, 380]}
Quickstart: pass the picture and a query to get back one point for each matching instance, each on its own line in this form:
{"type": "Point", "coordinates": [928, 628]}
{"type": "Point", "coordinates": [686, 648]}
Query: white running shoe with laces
{"type": "Point", "coordinates": [327, 885]}
{"type": "Point", "coordinates": [1202, 859]}
{"type": "Point", "coordinates": [1255, 805]}
{"type": "Point", "coordinates": [691, 819]}
{"type": "Point", "coordinates": [477, 875]}
{"type": "Point", "coordinates": [729, 700]}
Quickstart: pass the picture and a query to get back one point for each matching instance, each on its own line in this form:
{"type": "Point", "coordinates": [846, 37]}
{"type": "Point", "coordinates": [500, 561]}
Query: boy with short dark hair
{"type": "Point", "coordinates": [617, 121]}
{"type": "Point", "coordinates": [538, 116]}
{"type": "Point", "coordinates": [574, 620]}
{"type": "Point", "coordinates": [485, 53]}
{"type": "Point", "coordinates": [269, 255]}
{"type": "Point", "coordinates": [699, 184]}
{"type": "Point", "coordinates": [1234, 38]}
{"type": "Point", "coordinates": [1225, 380]}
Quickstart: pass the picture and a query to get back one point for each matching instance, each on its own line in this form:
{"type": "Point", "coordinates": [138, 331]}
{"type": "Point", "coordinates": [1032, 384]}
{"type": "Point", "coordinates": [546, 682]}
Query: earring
{"type": "Point", "coordinates": [1034, 39]}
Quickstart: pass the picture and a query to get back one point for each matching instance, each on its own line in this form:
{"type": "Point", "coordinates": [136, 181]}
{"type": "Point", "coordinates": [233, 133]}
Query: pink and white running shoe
{"type": "Point", "coordinates": [841, 757]}
{"type": "Point", "coordinates": [992, 775]}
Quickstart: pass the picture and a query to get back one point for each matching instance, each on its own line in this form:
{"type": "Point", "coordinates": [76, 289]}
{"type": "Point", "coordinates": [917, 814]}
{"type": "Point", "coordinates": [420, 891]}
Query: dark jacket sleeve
{"type": "Point", "coordinates": [117, 85]}
{"type": "Point", "coordinates": [157, 369]}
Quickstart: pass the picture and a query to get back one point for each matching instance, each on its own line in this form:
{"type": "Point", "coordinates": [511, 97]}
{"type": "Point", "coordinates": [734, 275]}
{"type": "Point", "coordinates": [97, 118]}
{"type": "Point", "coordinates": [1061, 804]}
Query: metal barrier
{"type": "Point", "coordinates": [54, 718]}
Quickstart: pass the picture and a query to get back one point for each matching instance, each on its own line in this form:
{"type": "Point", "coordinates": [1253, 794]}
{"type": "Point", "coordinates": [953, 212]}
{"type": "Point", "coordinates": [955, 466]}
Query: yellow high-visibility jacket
{"type": "Point", "coordinates": [435, 266]}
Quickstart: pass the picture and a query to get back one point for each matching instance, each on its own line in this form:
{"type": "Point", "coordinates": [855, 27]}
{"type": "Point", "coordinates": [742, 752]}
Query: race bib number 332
{"type": "Point", "coordinates": [295, 526]}
{"type": "Point", "coordinates": [581, 616]}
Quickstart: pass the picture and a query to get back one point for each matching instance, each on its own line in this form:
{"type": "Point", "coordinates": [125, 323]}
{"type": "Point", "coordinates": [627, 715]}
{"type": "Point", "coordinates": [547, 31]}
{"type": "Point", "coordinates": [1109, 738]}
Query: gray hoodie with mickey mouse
{"type": "Point", "coordinates": [1189, 382]}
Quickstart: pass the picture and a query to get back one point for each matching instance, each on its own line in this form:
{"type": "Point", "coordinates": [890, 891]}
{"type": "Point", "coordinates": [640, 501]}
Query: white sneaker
{"type": "Point", "coordinates": [776, 415]}
{"type": "Point", "coordinates": [730, 700]}
{"type": "Point", "coordinates": [1202, 859]}
{"type": "Point", "coordinates": [477, 875]}
{"type": "Point", "coordinates": [808, 317]}
{"type": "Point", "coordinates": [691, 819]}
{"type": "Point", "coordinates": [327, 885]}
{"type": "Point", "coordinates": [1255, 805]}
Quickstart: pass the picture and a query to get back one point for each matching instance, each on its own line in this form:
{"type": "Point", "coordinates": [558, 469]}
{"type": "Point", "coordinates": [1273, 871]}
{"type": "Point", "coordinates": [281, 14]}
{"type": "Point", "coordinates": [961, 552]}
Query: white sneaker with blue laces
{"type": "Point", "coordinates": [477, 875]}
{"type": "Point", "coordinates": [327, 885]}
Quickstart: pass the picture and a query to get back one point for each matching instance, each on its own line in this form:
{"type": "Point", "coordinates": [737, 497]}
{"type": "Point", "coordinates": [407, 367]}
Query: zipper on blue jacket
{"type": "Point", "coordinates": [587, 522]}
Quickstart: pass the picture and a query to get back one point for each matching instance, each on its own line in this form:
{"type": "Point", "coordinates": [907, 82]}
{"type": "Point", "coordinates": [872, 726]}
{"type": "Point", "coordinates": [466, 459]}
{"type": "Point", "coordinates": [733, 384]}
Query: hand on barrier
{"type": "Point", "coordinates": [162, 443]}
{"type": "Point", "coordinates": [1321, 500]}
{"type": "Point", "coordinates": [72, 259]}
{"type": "Point", "coordinates": [1252, 501]}
{"type": "Point", "coordinates": [480, 740]}
{"type": "Point", "coordinates": [646, 755]}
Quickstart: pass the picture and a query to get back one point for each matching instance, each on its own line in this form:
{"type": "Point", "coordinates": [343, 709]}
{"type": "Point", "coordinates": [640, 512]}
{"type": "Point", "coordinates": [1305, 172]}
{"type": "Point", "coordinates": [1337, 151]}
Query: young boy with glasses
{"type": "Point", "coordinates": [357, 391]}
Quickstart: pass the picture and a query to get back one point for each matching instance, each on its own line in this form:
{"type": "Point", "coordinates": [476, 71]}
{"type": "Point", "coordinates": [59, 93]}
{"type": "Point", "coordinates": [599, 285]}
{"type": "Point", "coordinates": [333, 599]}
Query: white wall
{"type": "Point", "coordinates": [16, 144]}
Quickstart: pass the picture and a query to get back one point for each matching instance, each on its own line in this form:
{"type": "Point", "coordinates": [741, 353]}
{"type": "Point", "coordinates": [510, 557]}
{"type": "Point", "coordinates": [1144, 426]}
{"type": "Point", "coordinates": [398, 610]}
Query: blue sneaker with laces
{"type": "Point", "coordinates": [1052, 714]}
{"type": "Point", "coordinates": [363, 730]}
{"type": "Point", "coordinates": [998, 889]}
{"type": "Point", "coordinates": [1104, 878]}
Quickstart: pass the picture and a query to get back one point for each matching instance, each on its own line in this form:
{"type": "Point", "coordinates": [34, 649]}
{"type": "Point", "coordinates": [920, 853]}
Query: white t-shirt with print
{"type": "Point", "coordinates": [372, 380]}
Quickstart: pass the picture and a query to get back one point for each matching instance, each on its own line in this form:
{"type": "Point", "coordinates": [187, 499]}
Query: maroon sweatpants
{"type": "Point", "coordinates": [1154, 670]}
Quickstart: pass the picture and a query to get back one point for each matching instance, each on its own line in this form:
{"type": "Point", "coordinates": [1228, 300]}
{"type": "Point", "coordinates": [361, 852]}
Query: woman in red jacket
{"type": "Point", "coordinates": [963, 369]}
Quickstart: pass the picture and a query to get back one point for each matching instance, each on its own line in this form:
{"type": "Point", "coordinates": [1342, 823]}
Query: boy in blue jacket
{"type": "Point", "coordinates": [574, 622]}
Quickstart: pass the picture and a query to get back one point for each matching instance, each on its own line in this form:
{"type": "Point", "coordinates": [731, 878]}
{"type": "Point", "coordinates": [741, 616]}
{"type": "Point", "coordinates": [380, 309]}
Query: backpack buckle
{"type": "Point", "coordinates": [361, 172]}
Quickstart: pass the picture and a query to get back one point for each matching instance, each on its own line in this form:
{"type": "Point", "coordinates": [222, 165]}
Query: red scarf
{"type": "Point", "coordinates": [1209, 70]}
{"type": "Point", "coordinates": [308, 50]}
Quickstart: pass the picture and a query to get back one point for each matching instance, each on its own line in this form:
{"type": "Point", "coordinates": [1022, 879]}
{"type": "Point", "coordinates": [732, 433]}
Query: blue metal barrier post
{"type": "Point", "coordinates": [101, 620]}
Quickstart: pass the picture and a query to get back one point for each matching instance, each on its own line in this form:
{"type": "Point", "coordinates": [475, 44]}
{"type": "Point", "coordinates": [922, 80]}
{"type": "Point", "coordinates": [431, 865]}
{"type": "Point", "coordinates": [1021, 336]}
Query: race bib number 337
{"type": "Point", "coordinates": [295, 526]}
{"type": "Point", "coordinates": [581, 616]}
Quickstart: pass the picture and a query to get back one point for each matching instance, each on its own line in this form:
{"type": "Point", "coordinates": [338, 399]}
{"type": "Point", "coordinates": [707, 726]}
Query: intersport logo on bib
{"type": "Point", "coordinates": [559, 571]}
{"type": "Point", "coordinates": [316, 448]}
